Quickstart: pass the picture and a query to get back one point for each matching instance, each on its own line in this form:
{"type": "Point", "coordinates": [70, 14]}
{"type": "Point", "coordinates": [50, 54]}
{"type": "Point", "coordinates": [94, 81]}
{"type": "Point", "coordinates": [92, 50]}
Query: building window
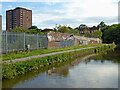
{"type": "Point", "coordinates": [81, 31]}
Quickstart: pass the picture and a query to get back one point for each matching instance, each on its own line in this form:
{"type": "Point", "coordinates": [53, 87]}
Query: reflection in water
{"type": "Point", "coordinates": [64, 70]}
{"type": "Point", "coordinates": [96, 71]}
{"type": "Point", "coordinates": [112, 55]}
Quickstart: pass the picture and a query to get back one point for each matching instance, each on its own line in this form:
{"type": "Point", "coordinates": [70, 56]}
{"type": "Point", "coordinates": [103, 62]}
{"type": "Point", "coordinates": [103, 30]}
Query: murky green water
{"type": "Point", "coordinates": [93, 71]}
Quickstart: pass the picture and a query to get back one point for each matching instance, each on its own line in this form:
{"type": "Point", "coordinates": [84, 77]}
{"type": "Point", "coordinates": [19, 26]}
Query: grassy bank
{"type": "Point", "coordinates": [17, 55]}
{"type": "Point", "coordinates": [104, 48]}
{"type": "Point", "coordinates": [11, 70]}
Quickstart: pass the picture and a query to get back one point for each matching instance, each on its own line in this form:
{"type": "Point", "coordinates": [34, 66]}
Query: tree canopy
{"type": "Point", "coordinates": [111, 34]}
{"type": "Point", "coordinates": [62, 29]}
{"type": "Point", "coordinates": [101, 25]}
{"type": "Point", "coordinates": [32, 30]}
{"type": "Point", "coordinates": [83, 26]}
{"type": "Point", "coordinates": [96, 34]}
{"type": "Point", "coordinates": [33, 27]}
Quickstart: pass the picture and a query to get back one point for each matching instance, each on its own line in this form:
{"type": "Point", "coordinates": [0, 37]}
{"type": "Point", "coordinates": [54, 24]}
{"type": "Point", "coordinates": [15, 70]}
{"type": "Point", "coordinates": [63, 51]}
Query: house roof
{"type": "Point", "coordinates": [47, 30]}
{"type": "Point", "coordinates": [19, 8]}
{"type": "Point", "coordinates": [91, 28]}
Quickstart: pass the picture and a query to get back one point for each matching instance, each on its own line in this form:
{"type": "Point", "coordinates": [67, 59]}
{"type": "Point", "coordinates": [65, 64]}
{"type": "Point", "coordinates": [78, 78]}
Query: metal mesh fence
{"type": "Point", "coordinates": [31, 39]}
{"type": "Point", "coordinates": [12, 41]}
{"type": "Point", "coordinates": [0, 61]}
{"type": "Point", "coordinates": [42, 41]}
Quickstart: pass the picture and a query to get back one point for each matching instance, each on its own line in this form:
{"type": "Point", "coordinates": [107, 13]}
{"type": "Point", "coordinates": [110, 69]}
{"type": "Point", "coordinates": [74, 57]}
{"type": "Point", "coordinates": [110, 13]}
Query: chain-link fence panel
{"type": "Point", "coordinates": [12, 41]}
{"type": "Point", "coordinates": [31, 39]}
{"type": "Point", "coordinates": [42, 41]}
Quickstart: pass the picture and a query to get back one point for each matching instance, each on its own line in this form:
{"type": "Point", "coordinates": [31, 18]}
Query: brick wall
{"type": "Point", "coordinates": [60, 40]}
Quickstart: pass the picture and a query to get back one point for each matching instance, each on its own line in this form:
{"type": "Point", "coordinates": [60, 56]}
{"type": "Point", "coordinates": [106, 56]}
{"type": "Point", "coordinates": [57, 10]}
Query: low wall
{"type": "Point", "coordinates": [60, 40]}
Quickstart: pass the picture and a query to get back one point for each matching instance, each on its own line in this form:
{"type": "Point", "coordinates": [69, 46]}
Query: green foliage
{"type": "Point", "coordinates": [11, 70]}
{"type": "Point", "coordinates": [39, 44]}
{"type": "Point", "coordinates": [96, 33]}
{"type": "Point", "coordinates": [75, 31]}
{"type": "Point", "coordinates": [33, 27]}
{"type": "Point", "coordinates": [18, 29]}
{"type": "Point", "coordinates": [66, 29]}
{"type": "Point", "coordinates": [101, 25]}
{"type": "Point", "coordinates": [31, 30]}
{"type": "Point", "coordinates": [82, 26]}
{"type": "Point", "coordinates": [87, 32]}
{"type": "Point", "coordinates": [62, 29]}
{"type": "Point", "coordinates": [104, 48]}
{"type": "Point", "coordinates": [111, 34]}
{"type": "Point", "coordinates": [11, 56]}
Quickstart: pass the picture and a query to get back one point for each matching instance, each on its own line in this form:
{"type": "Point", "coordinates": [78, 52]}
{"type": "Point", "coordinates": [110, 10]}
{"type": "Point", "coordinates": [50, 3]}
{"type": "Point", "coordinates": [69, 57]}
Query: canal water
{"type": "Point", "coordinates": [92, 71]}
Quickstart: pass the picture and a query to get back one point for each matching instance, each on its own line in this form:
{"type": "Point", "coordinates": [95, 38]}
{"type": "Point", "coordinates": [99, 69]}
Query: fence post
{"type": "Point", "coordinates": [6, 41]}
{"type": "Point", "coordinates": [46, 41]}
{"type": "Point", "coordinates": [23, 41]}
{"type": "Point", "coordinates": [37, 40]}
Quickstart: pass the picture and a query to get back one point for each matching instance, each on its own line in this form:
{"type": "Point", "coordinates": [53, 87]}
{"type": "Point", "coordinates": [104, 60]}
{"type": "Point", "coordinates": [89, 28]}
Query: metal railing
{"type": "Point", "coordinates": [12, 41]}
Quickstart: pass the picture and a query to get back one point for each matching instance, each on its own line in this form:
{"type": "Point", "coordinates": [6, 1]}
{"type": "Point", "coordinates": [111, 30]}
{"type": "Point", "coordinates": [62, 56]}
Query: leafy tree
{"type": "Point", "coordinates": [97, 34]}
{"type": "Point", "coordinates": [70, 28]}
{"type": "Point", "coordinates": [32, 30]}
{"type": "Point", "coordinates": [77, 28]}
{"type": "Point", "coordinates": [101, 25]}
{"type": "Point", "coordinates": [94, 27]}
{"type": "Point", "coordinates": [83, 26]}
{"type": "Point", "coordinates": [111, 34]}
{"type": "Point", "coordinates": [63, 29]}
{"type": "Point", "coordinates": [33, 27]}
{"type": "Point", "coordinates": [75, 31]}
{"type": "Point", "coordinates": [19, 29]}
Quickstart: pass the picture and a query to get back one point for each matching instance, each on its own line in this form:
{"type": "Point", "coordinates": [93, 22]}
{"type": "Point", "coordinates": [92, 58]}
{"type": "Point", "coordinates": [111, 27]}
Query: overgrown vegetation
{"type": "Point", "coordinates": [60, 28]}
{"type": "Point", "coordinates": [96, 34]}
{"type": "Point", "coordinates": [104, 48]}
{"type": "Point", "coordinates": [31, 30]}
{"type": "Point", "coordinates": [11, 70]}
{"type": "Point", "coordinates": [16, 55]}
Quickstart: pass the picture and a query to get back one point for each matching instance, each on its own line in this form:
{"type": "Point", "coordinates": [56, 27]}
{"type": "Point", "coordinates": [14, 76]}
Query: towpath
{"type": "Point", "coordinates": [43, 55]}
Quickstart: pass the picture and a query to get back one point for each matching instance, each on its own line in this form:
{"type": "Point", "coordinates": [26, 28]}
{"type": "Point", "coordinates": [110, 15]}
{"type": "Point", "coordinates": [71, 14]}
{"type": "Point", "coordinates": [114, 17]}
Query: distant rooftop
{"type": "Point", "coordinates": [19, 8]}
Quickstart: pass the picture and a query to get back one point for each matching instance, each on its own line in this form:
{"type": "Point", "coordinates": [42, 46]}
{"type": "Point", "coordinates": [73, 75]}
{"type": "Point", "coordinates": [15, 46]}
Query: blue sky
{"type": "Point", "coordinates": [46, 14]}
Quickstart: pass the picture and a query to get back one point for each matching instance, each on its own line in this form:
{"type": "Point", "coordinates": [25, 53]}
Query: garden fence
{"type": "Point", "coordinates": [12, 41]}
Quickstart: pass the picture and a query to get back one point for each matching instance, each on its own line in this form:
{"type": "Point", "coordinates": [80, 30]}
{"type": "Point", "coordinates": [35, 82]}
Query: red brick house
{"type": "Point", "coordinates": [91, 30]}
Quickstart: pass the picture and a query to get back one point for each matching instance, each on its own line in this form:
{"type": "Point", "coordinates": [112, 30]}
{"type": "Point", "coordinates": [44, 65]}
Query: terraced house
{"type": "Point", "coordinates": [91, 29]}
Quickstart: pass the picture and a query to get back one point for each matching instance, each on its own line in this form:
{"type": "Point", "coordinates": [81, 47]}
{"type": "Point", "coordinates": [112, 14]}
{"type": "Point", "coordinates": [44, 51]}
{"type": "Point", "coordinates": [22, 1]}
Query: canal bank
{"type": "Point", "coordinates": [12, 70]}
{"type": "Point", "coordinates": [96, 71]}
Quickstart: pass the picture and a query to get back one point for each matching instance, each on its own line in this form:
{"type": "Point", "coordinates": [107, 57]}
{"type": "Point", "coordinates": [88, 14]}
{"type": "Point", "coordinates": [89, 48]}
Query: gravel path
{"type": "Point", "coordinates": [37, 56]}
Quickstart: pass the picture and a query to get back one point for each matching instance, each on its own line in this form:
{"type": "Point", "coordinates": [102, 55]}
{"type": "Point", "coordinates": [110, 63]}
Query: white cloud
{"type": "Point", "coordinates": [8, 0]}
{"type": "Point", "coordinates": [74, 10]}
{"type": "Point", "coordinates": [10, 6]}
{"type": "Point", "coordinates": [39, 18]}
{"type": "Point", "coordinates": [49, 2]}
{"type": "Point", "coordinates": [90, 8]}
{"type": "Point", "coordinates": [0, 8]}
